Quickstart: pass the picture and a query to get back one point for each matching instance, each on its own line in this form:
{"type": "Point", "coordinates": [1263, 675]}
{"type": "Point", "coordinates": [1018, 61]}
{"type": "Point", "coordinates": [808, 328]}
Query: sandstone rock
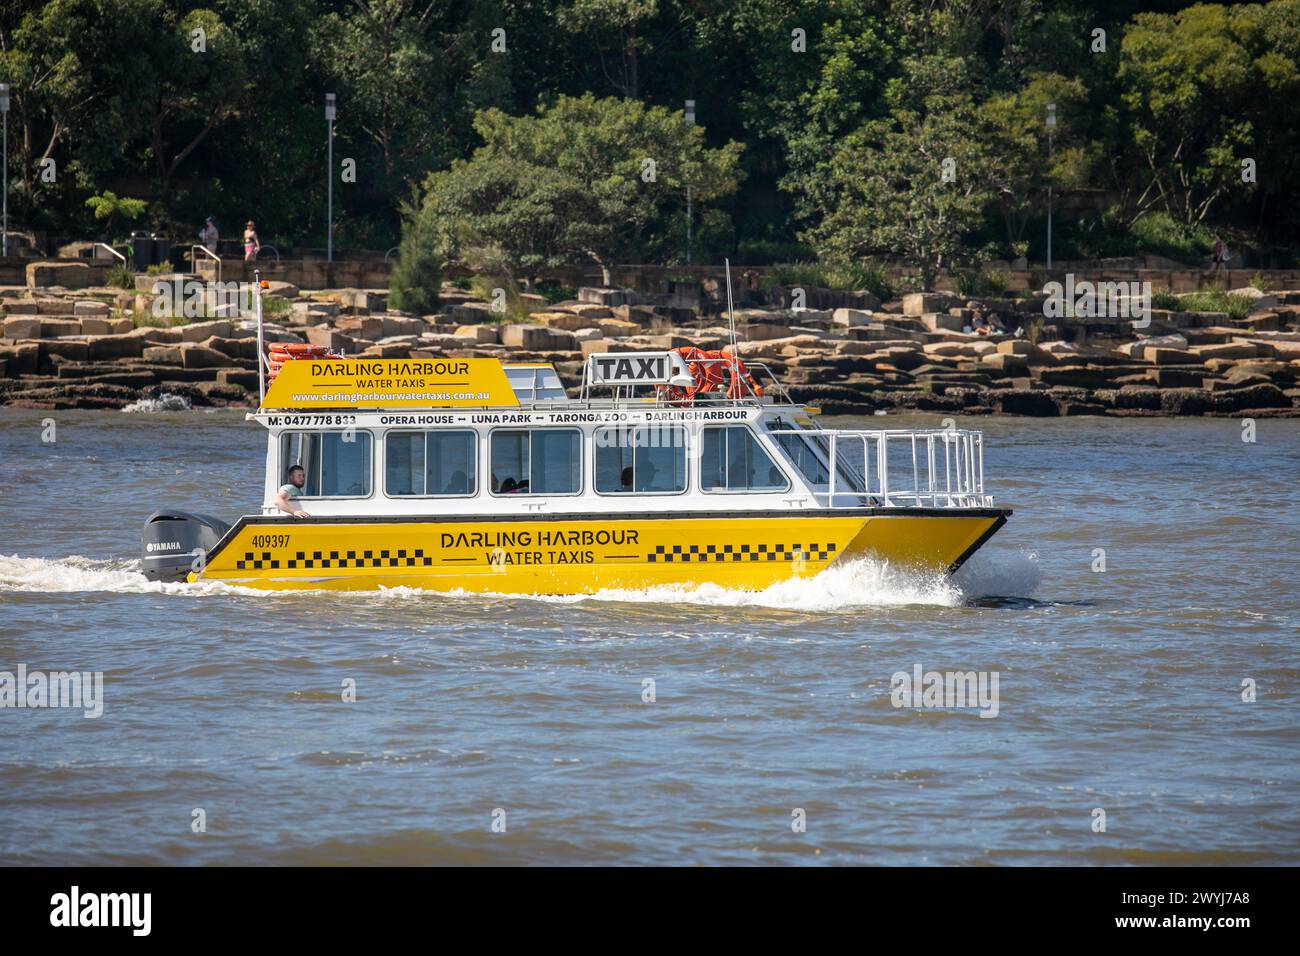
{"type": "Point", "coordinates": [52, 328]}
{"type": "Point", "coordinates": [323, 335]}
{"type": "Point", "coordinates": [73, 349]}
{"type": "Point", "coordinates": [1138, 348]}
{"type": "Point", "coordinates": [588, 335]}
{"type": "Point", "coordinates": [22, 307]}
{"type": "Point", "coordinates": [1225, 350]}
{"type": "Point", "coordinates": [154, 334]}
{"type": "Point", "coordinates": [1160, 356]}
{"type": "Point", "coordinates": [162, 354]}
{"type": "Point", "coordinates": [22, 328]}
{"type": "Point", "coordinates": [591, 310]}
{"type": "Point", "coordinates": [478, 333]}
{"type": "Point", "coordinates": [602, 296]}
{"type": "Point", "coordinates": [565, 321]}
{"type": "Point", "coordinates": [940, 321]}
{"type": "Point", "coordinates": [194, 355]}
{"type": "Point", "coordinates": [91, 325]}
{"type": "Point", "coordinates": [536, 337]}
{"type": "Point", "coordinates": [1017, 347]}
{"type": "Point", "coordinates": [618, 328]}
{"type": "Point", "coordinates": [919, 303]}
{"type": "Point", "coordinates": [1006, 363]}
{"type": "Point", "coordinates": [1176, 378]}
{"type": "Point", "coordinates": [597, 346]}
{"type": "Point", "coordinates": [225, 346]}
{"type": "Point", "coordinates": [70, 275]}
{"type": "Point", "coordinates": [23, 359]}
{"type": "Point", "coordinates": [198, 331]}
{"type": "Point", "coordinates": [238, 377]}
{"type": "Point", "coordinates": [114, 346]}
{"type": "Point", "coordinates": [398, 325]}
{"type": "Point", "coordinates": [91, 307]}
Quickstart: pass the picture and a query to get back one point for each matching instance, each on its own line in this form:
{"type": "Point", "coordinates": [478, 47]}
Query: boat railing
{"type": "Point", "coordinates": [892, 468]}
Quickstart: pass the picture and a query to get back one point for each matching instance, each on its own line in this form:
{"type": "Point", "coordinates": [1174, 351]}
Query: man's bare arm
{"type": "Point", "coordinates": [284, 504]}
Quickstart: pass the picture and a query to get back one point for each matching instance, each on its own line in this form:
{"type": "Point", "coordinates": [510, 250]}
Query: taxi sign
{"type": "Point", "coordinates": [636, 368]}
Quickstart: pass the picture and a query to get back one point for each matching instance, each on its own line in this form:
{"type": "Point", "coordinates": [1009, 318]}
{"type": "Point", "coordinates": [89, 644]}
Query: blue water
{"type": "Point", "coordinates": [1119, 690]}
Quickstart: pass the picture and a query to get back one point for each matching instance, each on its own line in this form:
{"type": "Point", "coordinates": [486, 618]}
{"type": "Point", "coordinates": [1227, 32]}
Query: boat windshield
{"type": "Point", "coordinates": [810, 452]}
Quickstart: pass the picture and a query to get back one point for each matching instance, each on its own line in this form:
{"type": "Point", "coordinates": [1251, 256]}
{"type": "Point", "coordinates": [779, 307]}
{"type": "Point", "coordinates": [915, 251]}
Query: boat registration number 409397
{"type": "Point", "coordinates": [270, 541]}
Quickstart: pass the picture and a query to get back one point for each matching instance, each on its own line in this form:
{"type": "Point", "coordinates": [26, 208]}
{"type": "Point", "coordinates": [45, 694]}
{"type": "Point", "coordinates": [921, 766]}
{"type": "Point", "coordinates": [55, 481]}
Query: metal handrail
{"type": "Point", "coordinates": [272, 248]}
{"type": "Point", "coordinates": [960, 483]}
{"type": "Point", "coordinates": [389, 253]}
{"type": "Point", "coordinates": [105, 245]}
{"type": "Point", "coordinates": [207, 252]}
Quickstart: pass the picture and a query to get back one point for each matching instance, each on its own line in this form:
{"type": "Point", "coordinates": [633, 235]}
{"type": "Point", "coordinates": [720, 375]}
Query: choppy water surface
{"type": "Point", "coordinates": [1119, 690]}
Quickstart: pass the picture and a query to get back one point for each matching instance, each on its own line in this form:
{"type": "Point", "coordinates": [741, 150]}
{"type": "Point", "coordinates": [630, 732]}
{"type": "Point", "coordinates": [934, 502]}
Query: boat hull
{"type": "Point", "coordinates": [566, 554]}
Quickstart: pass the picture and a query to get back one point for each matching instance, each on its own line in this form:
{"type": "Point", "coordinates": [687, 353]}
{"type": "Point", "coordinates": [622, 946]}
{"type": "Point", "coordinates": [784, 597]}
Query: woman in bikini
{"type": "Point", "coordinates": [251, 245]}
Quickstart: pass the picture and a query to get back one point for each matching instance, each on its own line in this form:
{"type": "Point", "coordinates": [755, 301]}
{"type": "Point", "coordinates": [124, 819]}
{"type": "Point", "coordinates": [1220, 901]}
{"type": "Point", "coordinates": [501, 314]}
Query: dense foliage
{"type": "Point", "coordinates": [823, 127]}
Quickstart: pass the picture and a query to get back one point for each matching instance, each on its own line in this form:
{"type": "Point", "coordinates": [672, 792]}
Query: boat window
{"type": "Point", "coordinates": [731, 459]}
{"type": "Point", "coordinates": [430, 463]}
{"type": "Point", "coordinates": [337, 463]}
{"type": "Point", "coordinates": [537, 461]}
{"type": "Point", "coordinates": [650, 459]}
{"type": "Point", "coordinates": [810, 452]}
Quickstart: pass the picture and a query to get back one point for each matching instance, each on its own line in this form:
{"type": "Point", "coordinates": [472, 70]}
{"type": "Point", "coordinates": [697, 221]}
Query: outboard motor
{"type": "Point", "coordinates": [171, 541]}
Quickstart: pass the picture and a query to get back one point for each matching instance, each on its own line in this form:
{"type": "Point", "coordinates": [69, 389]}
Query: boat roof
{"type": "Point", "coordinates": [610, 379]}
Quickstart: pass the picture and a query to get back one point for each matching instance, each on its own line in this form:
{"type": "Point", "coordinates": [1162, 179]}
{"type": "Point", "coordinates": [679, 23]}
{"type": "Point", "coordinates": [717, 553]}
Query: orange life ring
{"type": "Point", "coordinates": [713, 371]}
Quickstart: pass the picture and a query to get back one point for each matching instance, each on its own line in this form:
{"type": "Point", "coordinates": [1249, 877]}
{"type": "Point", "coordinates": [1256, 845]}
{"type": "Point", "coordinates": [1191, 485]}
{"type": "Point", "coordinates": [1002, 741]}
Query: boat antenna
{"type": "Point", "coordinates": [731, 310]}
{"type": "Point", "coordinates": [261, 349]}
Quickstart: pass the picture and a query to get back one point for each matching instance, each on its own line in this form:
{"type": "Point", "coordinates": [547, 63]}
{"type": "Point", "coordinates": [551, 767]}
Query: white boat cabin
{"type": "Point", "coordinates": [631, 441]}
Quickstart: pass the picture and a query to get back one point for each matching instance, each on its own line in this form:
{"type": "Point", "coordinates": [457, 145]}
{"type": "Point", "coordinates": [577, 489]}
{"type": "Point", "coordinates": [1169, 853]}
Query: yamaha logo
{"type": "Point", "coordinates": [163, 546]}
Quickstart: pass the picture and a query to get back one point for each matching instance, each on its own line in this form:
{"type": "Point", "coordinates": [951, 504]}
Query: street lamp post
{"type": "Point", "coordinates": [4, 108]}
{"type": "Point", "coordinates": [329, 179]}
{"type": "Point", "coordinates": [1051, 128]}
{"type": "Point", "coordinates": [690, 118]}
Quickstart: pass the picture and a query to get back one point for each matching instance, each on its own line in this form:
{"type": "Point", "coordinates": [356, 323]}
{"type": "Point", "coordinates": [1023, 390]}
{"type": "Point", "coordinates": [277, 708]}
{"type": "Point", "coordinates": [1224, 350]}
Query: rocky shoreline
{"type": "Point", "coordinates": [91, 348]}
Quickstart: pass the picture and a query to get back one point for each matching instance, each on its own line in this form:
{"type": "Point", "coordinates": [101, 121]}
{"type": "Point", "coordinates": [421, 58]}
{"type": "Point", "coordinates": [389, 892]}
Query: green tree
{"type": "Point", "coordinates": [416, 279]}
{"type": "Point", "coordinates": [1022, 164]}
{"type": "Point", "coordinates": [601, 177]}
{"type": "Point", "coordinates": [911, 186]}
{"type": "Point", "coordinates": [110, 207]}
{"type": "Point", "coordinates": [1192, 84]}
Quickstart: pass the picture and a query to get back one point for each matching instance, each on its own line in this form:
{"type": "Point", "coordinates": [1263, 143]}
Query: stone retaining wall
{"type": "Point", "coordinates": [64, 349]}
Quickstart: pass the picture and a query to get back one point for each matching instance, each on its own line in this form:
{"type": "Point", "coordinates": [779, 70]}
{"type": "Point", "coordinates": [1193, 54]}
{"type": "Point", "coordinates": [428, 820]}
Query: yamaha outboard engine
{"type": "Point", "coordinates": [173, 539]}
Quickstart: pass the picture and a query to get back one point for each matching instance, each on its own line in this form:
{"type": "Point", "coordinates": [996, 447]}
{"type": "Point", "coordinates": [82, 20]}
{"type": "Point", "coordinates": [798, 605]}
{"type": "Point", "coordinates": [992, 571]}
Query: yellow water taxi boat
{"type": "Point", "coordinates": [668, 468]}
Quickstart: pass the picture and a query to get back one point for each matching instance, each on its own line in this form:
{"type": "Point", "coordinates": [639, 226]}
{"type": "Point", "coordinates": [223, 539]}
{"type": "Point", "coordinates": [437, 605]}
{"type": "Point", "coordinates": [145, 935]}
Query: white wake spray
{"type": "Point", "coordinates": [853, 584]}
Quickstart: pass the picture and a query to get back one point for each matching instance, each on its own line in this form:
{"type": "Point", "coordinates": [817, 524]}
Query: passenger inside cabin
{"type": "Point", "coordinates": [458, 484]}
{"type": "Point", "coordinates": [625, 479]}
{"type": "Point", "coordinates": [509, 486]}
{"type": "Point", "coordinates": [290, 491]}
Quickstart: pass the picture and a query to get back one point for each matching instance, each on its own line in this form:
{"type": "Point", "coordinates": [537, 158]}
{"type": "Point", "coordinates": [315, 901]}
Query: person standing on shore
{"type": "Point", "coordinates": [208, 235]}
{"type": "Point", "coordinates": [1220, 255]}
{"type": "Point", "coordinates": [251, 246]}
